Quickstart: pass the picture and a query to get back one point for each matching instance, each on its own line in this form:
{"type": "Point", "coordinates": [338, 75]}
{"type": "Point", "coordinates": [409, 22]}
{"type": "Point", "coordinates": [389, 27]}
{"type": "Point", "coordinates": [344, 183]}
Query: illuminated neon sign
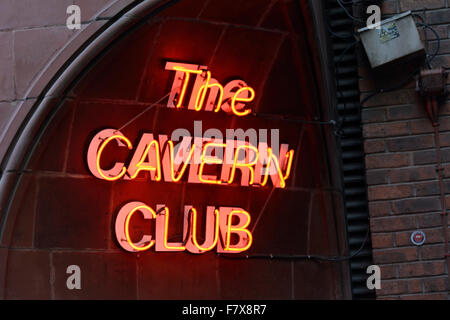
{"type": "Point", "coordinates": [168, 160]}
{"type": "Point", "coordinates": [228, 98]}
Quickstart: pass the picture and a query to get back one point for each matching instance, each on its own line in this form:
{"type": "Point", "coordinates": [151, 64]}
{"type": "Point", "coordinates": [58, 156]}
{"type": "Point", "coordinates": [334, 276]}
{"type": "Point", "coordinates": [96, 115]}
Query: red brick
{"type": "Point", "coordinates": [425, 126]}
{"type": "Point", "coordinates": [406, 113]}
{"type": "Point", "coordinates": [427, 189]}
{"type": "Point", "coordinates": [429, 220]}
{"type": "Point", "coordinates": [388, 271]}
{"type": "Point", "coordinates": [438, 17]}
{"type": "Point", "coordinates": [436, 284]}
{"type": "Point", "coordinates": [432, 252]}
{"type": "Point", "coordinates": [434, 296]}
{"type": "Point", "coordinates": [412, 174]}
{"type": "Point", "coordinates": [367, 85]}
{"type": "Point", "coordinates": [386, 161]}
{"type": "Point", "coordinates": [389, 192]}
{"type": "Point", "coordinates": [373, 115]}
{"type": "Point", "coordinates": [416, 205]}
{"type": "Point", "coordinates": [389, 7]}
{"type": "Point", "coordinates": [399, 97]}
{"type": "Point", "coordinates": [392, 224]}
{"type": "Point", "coordinates": [374, 146]}
{"type": "Point", "coordinates": [379, 209]}
{"type": "Point", "coordinates": [421, 269]}
{"type": "Point", "coordinates": [390, 129]}
{"type": "Point", "coordinates": [380, 241]}
{"type": "Point", "coordinates": [28, 275]}
{"type": "Point", "coordinates": [444, 48]}
{"type": "Point", "coordinates": [410, 143]}
{"type": "Point", "coordinates": [395, 255]}
{"type": "Point", "coordinates": [392, 287]}
{"type": "Point", "coordinates": [374, 177]}
{"type": "Point", "coordinates": [406, 5]}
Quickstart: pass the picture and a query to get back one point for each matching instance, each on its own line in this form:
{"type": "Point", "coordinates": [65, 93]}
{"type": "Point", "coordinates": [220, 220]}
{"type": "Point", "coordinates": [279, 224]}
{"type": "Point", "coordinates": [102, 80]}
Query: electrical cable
{"type": "Point", "coordinates": [424, 25]}
{"type": "Point", "coordinates": [300, 257]}
{"type": "Point", "coordinates": [342, 5]}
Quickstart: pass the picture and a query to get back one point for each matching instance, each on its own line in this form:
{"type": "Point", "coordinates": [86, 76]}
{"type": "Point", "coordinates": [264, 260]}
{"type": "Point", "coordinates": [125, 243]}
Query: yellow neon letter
{"type": "Point", "coordinates": [185, 83]}
{"type": "Point", "coordinates": [244, 165]}
{"type": "Point", "coordinates": [194, 230]}
{"type": "Point", "coordinates": [210, 161]}
{"type": "Point", "coordinates": [99, 154]}
{"type": "Point", "coordinates": [284, 177]}
{"type": "Point", "coordinates": [127, 232]}
{"type": "Point", "coordinates": [236, 98]}
{"type": "Point", "coordinates": [166, 229]}
{"type": "Point", "coordinates": [140, 166]}
{"type": "Point", "coordinates": [240, 229]}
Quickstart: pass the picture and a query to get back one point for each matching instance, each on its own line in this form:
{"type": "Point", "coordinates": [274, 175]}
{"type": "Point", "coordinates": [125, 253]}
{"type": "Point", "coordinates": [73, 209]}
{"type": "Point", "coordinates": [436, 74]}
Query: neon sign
{"type": "Point", "coordinates": [228, 98]}
{"type": "Point", "coordinates": [171, 161]}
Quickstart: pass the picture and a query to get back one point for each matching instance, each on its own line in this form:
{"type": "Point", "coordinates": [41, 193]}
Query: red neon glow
{"type": "Point", "coordinates": [140, 166]}
{"type": "Point", "coordinates": [185, 83]}
{"type": "Point", "coordinates": [273, 159]}
{"type": "Point", "coordinates": [127, 231]}
{"type": "Point", "coordinates": [122, 227]}
{"type": "Point", "coordinates": [185, 163]}
{"type": "Point", "coordinates": [290, 156]}
{"type": "Point", "coordinates": [218, 93]}
{"type": "Point", "coordinates": [249, 165]}
{"type": "Point", "coordinates": [252, 167]}
{"type": "Point", "coordinates": [204, 89]}
{"type": "Point", "coordinates": [99, 155]}
{"type": "Point", "coordinates": [194, 230]}
{"type": "Point", "coordinates": [166, 229]}
{"type": "Point", "coordinates": [242, 229]}
{"type": "Point", "coordinates": [237, 98]}
{"type": "Point", "coordinates": [210, 160]}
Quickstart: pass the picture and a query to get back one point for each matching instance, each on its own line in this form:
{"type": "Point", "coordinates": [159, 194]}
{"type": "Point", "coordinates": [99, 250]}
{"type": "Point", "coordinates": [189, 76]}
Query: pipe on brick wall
{"type": "Point", "coordinates": [432, 105]}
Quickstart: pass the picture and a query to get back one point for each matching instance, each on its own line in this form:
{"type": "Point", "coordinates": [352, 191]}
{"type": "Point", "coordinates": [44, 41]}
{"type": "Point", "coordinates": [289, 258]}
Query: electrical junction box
{"type": "Point", "coordinates": [396, 38]}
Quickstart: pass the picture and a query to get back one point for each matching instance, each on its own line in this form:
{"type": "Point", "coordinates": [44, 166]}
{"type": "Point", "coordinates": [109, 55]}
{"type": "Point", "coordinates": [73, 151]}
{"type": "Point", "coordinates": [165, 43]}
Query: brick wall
{"type": "Point", "coordinates": [403, 186]}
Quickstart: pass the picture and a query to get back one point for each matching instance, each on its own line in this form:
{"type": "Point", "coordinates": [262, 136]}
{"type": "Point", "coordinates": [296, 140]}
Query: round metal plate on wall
{"type": "Point", "coordinates": [418, 238]}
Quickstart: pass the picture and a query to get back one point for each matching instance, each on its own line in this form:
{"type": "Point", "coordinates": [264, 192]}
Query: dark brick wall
{"type": "Point", "coordinates": [63, 216]}
{"type": "Point", "coordinates": [401, 173]}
